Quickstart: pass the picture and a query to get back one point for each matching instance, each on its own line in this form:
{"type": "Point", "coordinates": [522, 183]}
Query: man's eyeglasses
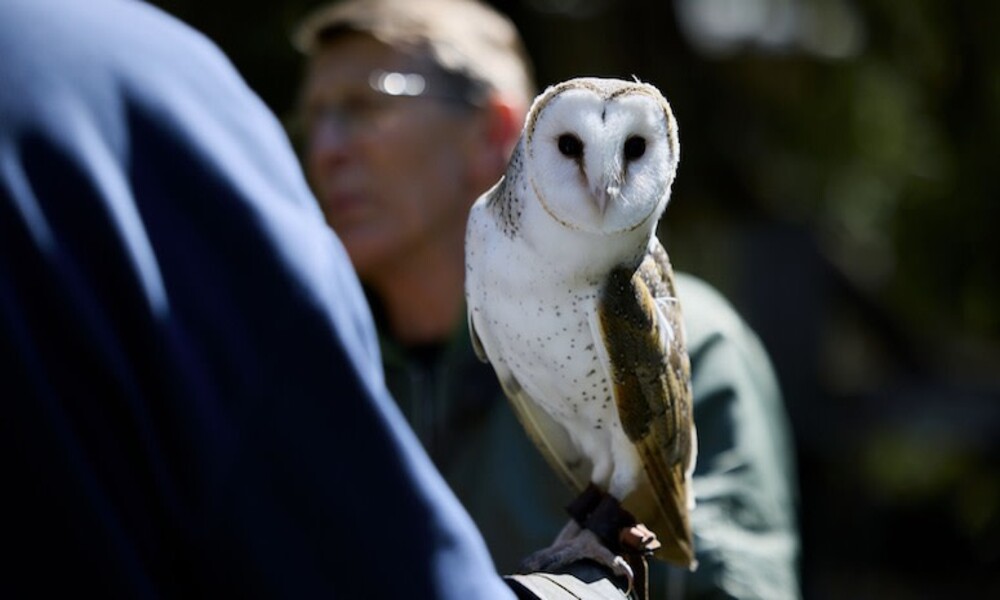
{"type": "Point", "coordinates": [371, 108]}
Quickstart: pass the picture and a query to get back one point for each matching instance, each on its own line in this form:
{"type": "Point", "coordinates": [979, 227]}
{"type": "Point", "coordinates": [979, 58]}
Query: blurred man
{"type": "Point", "coordinates": [193, 404]}
{"type": "Point", "coordinates": [410, 111]}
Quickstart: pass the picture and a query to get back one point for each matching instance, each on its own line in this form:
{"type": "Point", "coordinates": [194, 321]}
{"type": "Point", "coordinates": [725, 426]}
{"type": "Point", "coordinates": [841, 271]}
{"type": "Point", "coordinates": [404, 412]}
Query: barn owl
{"type": "Point", "coordinates": [571, 298]}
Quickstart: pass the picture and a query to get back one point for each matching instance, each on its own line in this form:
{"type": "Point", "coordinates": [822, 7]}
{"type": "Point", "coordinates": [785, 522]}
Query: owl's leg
{"type": "Point", "coordinates": [574, 544]}
{"type": "Point", "coordinates": [601, 532]}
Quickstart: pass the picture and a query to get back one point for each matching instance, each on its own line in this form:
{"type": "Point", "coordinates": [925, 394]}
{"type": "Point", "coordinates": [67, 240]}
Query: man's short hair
{"type": "Point", "coordinates": [463, 37]}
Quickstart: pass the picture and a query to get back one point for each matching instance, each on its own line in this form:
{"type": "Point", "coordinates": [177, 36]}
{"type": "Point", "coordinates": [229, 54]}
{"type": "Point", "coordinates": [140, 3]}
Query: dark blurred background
{"type": "Point", "coordinates": [838, 183]}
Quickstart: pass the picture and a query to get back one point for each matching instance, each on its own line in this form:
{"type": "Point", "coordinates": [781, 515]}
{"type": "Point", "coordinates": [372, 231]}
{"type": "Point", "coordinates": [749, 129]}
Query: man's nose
{"type": "Point", "coordinates": [331, 135]}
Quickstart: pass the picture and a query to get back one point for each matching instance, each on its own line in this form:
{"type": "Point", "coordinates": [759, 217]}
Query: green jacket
{"type": "Point", "coordinates": [744, 522]}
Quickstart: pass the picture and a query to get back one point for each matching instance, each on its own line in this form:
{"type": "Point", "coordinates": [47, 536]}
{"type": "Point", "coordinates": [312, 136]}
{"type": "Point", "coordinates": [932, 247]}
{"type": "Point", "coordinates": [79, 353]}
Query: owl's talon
{"type": "Point", "coordinates": [639, 538]}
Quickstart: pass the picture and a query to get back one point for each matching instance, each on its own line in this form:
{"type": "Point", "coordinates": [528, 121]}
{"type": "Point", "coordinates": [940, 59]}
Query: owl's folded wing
{"type": "Point", "coordinates": [639, 320]}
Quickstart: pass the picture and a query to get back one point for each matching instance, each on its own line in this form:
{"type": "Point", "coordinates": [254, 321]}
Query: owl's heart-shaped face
{"type": "Point", "coordinates": [601, 154]}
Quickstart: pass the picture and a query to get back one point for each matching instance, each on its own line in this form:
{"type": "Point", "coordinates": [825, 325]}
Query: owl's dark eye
{"type": "Point", "coordinates": [635, 147]}
{"type": "Point", "coordinates": [570, 145]}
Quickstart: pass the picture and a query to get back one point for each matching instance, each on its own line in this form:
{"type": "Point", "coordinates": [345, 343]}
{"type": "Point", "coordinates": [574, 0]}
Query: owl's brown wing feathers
{"type": "Point", "coordinates": [641, 324]}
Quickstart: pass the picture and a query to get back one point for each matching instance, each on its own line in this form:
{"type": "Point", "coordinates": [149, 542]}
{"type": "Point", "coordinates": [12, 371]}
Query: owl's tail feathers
{"type": "Point", "coordinates": [663, 507]}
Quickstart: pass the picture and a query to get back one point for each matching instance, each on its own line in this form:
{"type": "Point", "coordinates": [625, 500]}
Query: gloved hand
{"type": "Point", "coordinates": [601, 516]}
{"type": "Point", "coordinates": [583, 580]}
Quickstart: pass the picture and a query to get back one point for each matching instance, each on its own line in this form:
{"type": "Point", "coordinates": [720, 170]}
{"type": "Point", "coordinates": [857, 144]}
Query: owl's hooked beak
{"type": "Point", "coordinates": [606, 194]}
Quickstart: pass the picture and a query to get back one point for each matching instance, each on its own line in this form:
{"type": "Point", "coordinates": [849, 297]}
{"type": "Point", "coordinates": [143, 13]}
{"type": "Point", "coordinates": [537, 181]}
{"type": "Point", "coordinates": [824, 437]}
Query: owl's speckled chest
{"type": "Point", "coordinates": [546, 338]}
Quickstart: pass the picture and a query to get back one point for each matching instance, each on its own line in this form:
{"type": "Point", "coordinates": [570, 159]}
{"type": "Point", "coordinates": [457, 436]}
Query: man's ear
{"type": "Point", "coordinates": [500, 125]}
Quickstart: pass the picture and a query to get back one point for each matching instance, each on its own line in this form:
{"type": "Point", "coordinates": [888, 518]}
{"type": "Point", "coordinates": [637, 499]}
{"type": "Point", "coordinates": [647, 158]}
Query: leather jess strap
{"type": "Point", "coordinates": [602, 514]}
